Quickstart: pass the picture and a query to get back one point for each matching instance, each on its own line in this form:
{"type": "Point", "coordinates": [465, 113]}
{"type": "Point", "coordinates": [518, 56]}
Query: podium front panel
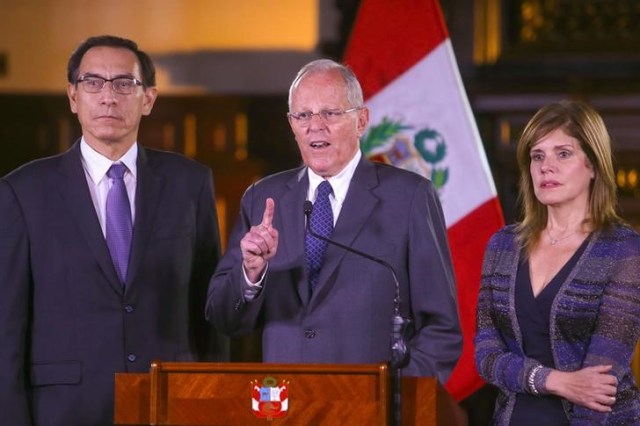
{"type": "Point", "coordinates": [254, 394]}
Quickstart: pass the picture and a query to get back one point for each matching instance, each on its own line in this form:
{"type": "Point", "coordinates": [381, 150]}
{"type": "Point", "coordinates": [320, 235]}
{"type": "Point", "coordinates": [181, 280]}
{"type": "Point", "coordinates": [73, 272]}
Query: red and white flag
{"type": "Point", "coordinates": [421, 120]}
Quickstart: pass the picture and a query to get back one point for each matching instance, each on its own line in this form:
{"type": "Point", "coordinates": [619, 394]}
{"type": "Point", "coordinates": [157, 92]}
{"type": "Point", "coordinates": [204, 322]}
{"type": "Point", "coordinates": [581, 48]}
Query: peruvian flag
{"type": "Point", "coordinates": [421, 121]}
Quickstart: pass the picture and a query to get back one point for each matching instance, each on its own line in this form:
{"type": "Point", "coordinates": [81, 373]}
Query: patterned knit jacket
{"type": "Point", "coordinates": [595, 320]}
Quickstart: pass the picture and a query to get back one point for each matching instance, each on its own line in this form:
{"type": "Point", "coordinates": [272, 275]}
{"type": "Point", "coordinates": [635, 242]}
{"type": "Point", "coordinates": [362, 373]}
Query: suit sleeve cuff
{"type": "Point", "coordinates": [250, 289]}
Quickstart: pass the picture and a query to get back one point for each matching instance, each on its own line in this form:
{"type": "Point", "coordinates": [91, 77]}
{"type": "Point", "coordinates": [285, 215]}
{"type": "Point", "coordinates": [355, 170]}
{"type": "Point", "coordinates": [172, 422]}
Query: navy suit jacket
{"type": "Point", "coordinates": [66, 323]}
{"type": "Point", "coordinates": [389, 213]}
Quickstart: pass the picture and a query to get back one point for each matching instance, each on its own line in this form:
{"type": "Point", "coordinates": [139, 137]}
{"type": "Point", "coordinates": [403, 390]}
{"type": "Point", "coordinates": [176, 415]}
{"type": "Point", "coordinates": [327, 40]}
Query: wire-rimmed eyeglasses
{"type": "Point", "coordinates": [327, 115]}
{"type": "Point", "coordinates": [121, 85]}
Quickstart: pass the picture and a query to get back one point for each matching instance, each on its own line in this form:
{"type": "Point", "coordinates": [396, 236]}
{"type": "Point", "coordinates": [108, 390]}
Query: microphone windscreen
{"type": "Point", "coordinates": [308, 207]}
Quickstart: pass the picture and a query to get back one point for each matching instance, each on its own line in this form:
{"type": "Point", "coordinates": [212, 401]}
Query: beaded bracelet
{"type": "Point", "coordinates": [531, 379]}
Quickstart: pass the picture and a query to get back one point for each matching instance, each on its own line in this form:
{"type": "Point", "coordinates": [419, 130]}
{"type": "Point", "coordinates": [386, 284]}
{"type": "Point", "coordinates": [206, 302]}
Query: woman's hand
{"type": "Point", "coordinates": [592, 387]}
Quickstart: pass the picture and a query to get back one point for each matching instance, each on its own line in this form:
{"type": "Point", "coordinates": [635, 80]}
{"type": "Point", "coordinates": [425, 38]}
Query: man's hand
{"type": "Point", "coordinates": [259, 244]}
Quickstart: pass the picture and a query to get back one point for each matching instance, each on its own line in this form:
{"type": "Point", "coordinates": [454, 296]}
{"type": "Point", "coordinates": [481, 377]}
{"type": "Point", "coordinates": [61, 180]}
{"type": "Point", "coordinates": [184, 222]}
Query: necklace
{"type": "Point", "coordinates": [554, 241]}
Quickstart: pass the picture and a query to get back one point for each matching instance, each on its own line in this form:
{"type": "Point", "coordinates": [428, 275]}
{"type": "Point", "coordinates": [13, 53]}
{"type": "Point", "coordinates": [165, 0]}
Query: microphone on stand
{"type": "Point", "coordinates": [399, 349]}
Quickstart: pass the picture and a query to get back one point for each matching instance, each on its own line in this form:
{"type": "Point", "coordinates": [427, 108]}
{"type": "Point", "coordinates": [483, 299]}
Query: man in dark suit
{"type": "Point", "coordinates": [338, 310]}
{"type": "Point", "coordinates": [74, 307]}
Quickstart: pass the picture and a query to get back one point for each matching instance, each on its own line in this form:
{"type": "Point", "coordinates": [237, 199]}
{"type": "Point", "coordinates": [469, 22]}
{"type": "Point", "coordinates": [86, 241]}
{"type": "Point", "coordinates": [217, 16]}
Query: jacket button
{"type": "Point", "coordinates": [131, 357]}
{"type": "Point", "coordinates": [128, 309]}
{"type": "Point", "coordinates": [309, 334]}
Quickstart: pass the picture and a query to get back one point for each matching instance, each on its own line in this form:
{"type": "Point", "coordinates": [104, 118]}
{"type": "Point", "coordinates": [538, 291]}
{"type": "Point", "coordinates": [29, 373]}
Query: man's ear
{"type": "Point", "coordinates": [363, 120]}
{"type": "Point", "coordinates": [72, 91]}
{"type": "Point", "coordinates": [150, 95]}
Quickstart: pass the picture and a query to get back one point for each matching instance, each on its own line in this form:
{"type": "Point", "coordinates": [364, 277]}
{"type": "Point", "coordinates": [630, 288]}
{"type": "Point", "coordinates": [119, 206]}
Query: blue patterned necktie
{"type": "Point", "coordinates": [321, 222]}
{"type": "Point", "coordinates": [119, 227]}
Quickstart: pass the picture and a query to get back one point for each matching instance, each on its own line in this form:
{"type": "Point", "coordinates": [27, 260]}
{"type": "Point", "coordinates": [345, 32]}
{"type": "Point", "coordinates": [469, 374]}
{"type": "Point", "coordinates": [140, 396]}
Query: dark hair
{"type": "Point", "coordinates": [146, 64]}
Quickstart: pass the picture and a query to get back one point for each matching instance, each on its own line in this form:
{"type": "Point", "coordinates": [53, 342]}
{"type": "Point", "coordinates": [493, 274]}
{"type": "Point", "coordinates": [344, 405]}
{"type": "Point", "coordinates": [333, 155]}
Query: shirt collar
{"type": "Point", "coordinates": [97, 164]}
{"type": "Point", "coordinates": [339, 182]}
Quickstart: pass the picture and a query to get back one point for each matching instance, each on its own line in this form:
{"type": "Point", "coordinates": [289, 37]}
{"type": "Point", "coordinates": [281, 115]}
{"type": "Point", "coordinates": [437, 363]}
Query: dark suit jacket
{"type": "Point", "coordinates": [66, 323]}
{"type": "Point", "coordinates": [389, 213]}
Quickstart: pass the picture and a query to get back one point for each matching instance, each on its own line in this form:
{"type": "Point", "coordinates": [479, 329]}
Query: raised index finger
{"type": "Point", "coordinates": [267, 216]}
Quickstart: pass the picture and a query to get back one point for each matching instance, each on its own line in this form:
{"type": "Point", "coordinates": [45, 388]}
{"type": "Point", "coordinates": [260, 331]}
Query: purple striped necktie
{"type": "Point", "coordinates": [119, 228]}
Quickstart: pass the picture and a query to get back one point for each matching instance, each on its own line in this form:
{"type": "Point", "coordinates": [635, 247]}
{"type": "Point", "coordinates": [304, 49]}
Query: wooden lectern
{"type": "Point", "coordinates": [210, 394]}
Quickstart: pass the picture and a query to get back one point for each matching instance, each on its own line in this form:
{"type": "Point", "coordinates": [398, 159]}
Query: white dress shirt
{"type": "Point", "coordinates": [95, 167]}
{"type": "Point", "coordinates": [339, 184]}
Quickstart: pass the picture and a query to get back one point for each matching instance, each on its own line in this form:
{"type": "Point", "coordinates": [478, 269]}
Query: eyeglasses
{"type": "Point", "coordinates": [327, 115]}
{"type": "Point", "coordinates": [121, 85]}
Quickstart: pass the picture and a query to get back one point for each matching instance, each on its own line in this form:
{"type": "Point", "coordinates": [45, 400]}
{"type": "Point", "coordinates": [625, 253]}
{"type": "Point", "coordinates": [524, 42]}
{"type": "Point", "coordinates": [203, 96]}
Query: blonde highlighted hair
{"type": "Point", "coordinates": [580, 121]}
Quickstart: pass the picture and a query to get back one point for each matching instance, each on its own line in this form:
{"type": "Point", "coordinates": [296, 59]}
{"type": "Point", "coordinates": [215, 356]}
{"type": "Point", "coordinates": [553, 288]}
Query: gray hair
{"type": "Point", "coordinates": [354, 91]}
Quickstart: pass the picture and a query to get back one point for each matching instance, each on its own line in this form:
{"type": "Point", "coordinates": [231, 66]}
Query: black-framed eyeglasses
{"type": "Point", "coordinates": [327, 115]}
{"type": "Point", "coordinates": [121, 85]}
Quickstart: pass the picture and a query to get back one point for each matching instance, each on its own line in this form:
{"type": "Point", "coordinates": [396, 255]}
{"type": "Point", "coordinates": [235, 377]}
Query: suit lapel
{"type": "Point", "coordinates": [76, 195]}
{"type": "Point", "coordinates": [148, 189]}
{"type": "Point", "coordinates": [358, 205]}
{"type": "Point", "coordinates": [293, 219]}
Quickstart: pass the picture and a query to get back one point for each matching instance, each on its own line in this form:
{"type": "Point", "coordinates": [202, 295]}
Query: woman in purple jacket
{"type": "Point", "coordinates": [559, 306]}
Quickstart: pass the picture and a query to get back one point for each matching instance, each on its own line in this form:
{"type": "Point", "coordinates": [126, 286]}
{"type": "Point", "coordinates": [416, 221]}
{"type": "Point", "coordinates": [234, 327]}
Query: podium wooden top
{"type": "Point", "coordinates": [252, 367]}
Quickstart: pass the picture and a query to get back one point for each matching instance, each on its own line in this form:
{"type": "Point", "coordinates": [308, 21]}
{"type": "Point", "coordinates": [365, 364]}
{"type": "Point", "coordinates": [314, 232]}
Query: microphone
{"type": "Point", "coordinates": [399, 324]}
